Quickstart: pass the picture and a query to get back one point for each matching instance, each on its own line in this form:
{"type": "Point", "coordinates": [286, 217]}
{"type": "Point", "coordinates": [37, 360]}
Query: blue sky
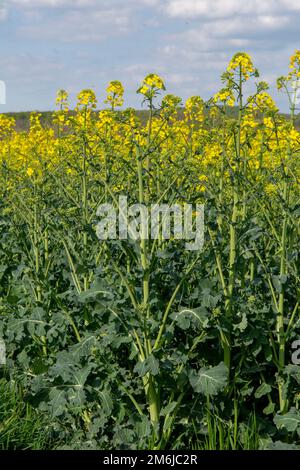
{"type": "Point", "coordinates": [74, 44]}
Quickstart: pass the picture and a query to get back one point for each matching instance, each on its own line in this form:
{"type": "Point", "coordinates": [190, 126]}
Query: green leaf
{"type": "Point", "coordinates": [243, 323]}
{"type": "Point", "coordinates": [39, 366]}
{"type": "Point", "coordinates": [268, 410]}
{"type": "Point", "coordinates": [143, 427]}
{"type": "Point", "coordinates": [84, 348]}
{"type": "Point", "coordinates": [293, 371]}
{"type": "Point", "coordinates": [186, 316]}
{"type": "Point", "coordinates": [246, 391]}
{"type": "Point", "coordinates": [290, 421]}
{"type": "Point", "coordinates": [278, 282]}
{"type": "Point", "coordinates": [168, 409]}
{"type": "Point", "coordinates": [262, 390]}
{"type": "Point", "coordinates": [279, 445]}
{"type": "Point", "coordinates": [106, 401]}
{"type": "Point", "coordinates": [97, 288]}
{"type": "Point", "coordinates": [148, 365]}
{"type": "Point", "coordinates": [58, 401]}
{"type": "Point", "coordinates": [76, 397]}
{"type": "Point", "coordinates": [80, 376]}
{"type": "Point", "coordinates": [209, 381]}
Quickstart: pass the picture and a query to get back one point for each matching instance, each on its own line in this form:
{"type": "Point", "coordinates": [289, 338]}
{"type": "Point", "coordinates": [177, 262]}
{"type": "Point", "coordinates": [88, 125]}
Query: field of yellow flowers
{"type": "Point", "coordinates": [141, 344]}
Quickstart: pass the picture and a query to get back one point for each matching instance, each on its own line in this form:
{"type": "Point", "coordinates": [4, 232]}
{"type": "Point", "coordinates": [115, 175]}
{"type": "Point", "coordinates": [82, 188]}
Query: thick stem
{"type": "Point", "coordinates": [84, 200]}
{"type": "Point", "coordinates": [221, 184]}
{"type": "Point", "coordinates": [226, 337]}
{"type": "Point", "coordinates": [147, 166]}
{"type": "Point", "coordinates": [149, 383]}
{"type": "Point", "coordinates": [37, 267]}
{"type": "Point", "coordinates": [280, 315]}
{"type": "Point", "coordinates": [153, 400]}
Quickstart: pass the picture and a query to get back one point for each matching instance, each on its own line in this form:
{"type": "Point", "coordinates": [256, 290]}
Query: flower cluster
{"type": "Point", "coordinates": [151, 85]}
{"type": "Point", "coordinates": [242, 64]}
{"type": "Point", "coordinates": [225, 96]}
{"type": "Point", "coordinates": [87, 99]}
{"type": "Point", "coordinates": [115, 93]}
{"type": "Point", "coordinates": [202, 136]}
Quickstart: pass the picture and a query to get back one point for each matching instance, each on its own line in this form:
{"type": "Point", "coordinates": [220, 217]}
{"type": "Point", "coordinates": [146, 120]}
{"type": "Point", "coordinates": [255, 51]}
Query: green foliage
{"type": "Point", "coordinates": [209, 381]}
{"type": "Point", "coordinates": [21, 427]}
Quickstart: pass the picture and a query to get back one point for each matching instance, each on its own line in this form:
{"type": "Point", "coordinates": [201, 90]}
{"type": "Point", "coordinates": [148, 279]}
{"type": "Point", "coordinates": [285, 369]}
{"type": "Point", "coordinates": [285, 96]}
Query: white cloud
{"type": "Point", "coordinates": [76, 25]}
{"type": "Point", "coordinates": [273, 22]}
{"type": "Point", "coordinates": [22, 66]}
{"type": "Point", "coordinates": [225, 8]}
{"type": "Point", "coordinates": [52, 3]}
{"type": "Point", "coordinates": [80, 20]}
{"type": "Point", "coordinates": [98, 4]}
{"type": "Point", "coordinates": [3, 13]}
{"type": "Point", "coordinates": [290, 4]}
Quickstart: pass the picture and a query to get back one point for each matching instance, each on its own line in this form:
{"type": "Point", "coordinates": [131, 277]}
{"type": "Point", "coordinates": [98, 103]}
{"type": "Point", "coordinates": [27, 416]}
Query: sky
{"type": "Point", "coordinates": [46, 45]}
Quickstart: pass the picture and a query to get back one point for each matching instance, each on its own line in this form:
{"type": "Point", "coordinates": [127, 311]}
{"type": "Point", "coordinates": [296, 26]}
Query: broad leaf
{"type": "Point", "coordinates": [262, 390]}
{"type": "Point", "coordinates": [209, 381]}
{"type": "Point", "coordinates": [290, 421]}
{"type": "Point", "coordinates": [149, 365]}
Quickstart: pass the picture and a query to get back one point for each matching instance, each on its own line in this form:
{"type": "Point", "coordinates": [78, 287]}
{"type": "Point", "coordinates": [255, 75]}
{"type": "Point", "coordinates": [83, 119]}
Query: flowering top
{"type": "Point", "coordinates": [265, 102]}
{"type": "Point", "coordinates": [170, 105]}
{"type": "Point", "coordinates": [294, 74]}
{"type": "Point", "coordinates": [87, 99]}
{"type": "Point", "coordinates": [194, 109]}
{"type": "Point", "coordinates": [151, 85]}
{"type": "Point", "coordinates": [35, 122]}
{"type": "Point", "coordinates": [241, 61]}
{"type": "Point", "coordinates": [7, 125]}
{"type": "Point", "coordinates": [295, 64]}
{"type": "Point", "coordinates": [115, 92]}
{"type": "Point", "coordinates": [290, 83]}
{"type": "Point", "coordinates": [225, 96]}
{"type": "Point", "coordinates": [194, 104]}
{"type": "Point", "coordinates": [171, 101]}
{"type": "Point", "coordinates": [62, 99]}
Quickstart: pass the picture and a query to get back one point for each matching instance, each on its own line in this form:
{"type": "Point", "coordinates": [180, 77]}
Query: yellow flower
{"type": "Point", "coordinates": [268, 123]}
{"type": "Point", "coordinates": [293, 77]}
{"type": "Point", "coordinates": [87, 98]}
{"type": "Point", "coordinates": [265, 102]}
{"type": "Point", "coordinates": [169, 106]}
{"type": "Point", "coordinates": [202, 186]}
{"type": "Point", "coordinates": [241, 62]}
{"type": "Point", "coordinates": [143, 90]}
{"type": "Point", "coordinates": [226, 96]}
{"type": "Point", "coordinates": [62, 99]}
{"type": "Point", "coordinates": [171, 101]}
{"type": "Point", "coordinates": [30, 171]}
{"type": "Point", "coordinates": [154, 81]}
{"type": "Point", "coordinates": [270, 189]}
{"type": "Point", "coordinates": [295, 61]}
{"type": "Point", "coordinates": [115, 92]}
{"type": "Point", "coordinates": [151, 85]}
{"type": "Point", "coordinates": [194, 108]}
{"type": "Point", "coordinates": [7, 124]}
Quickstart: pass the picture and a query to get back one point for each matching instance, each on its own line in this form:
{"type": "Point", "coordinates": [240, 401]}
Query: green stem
{"type": "Point", "coordinates": [281, 309]}
{"type": "Point", "coordinates": [149, 383]}
{"type": "Point", "coordinates": [84, 200]}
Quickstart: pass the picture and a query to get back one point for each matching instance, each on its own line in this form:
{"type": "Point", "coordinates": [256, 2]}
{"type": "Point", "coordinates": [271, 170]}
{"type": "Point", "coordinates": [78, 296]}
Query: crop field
{"type": "Point", "coordinates": [174, 341]}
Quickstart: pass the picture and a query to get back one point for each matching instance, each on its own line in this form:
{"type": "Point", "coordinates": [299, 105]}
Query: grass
{"type": "Point", "coordinates": [21, 427]}
{"type": "Point", "coordinates": [220, 434]}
